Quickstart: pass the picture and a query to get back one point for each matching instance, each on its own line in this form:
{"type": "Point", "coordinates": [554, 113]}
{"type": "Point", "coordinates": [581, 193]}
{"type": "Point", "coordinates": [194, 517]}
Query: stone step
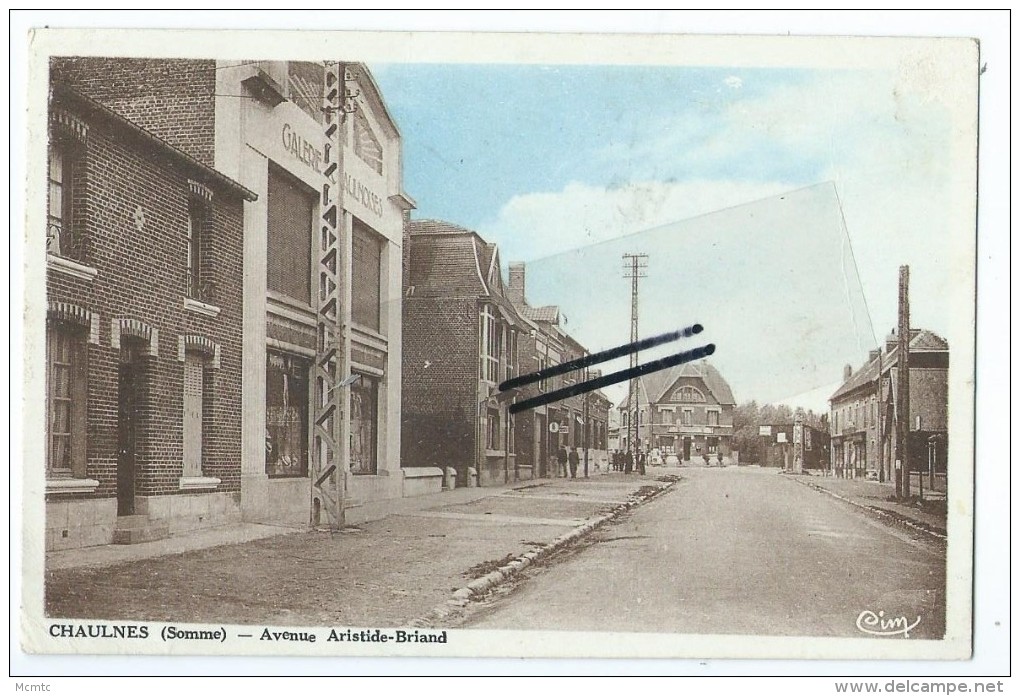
{"type": "Point", "coordinates": [137, 529]}
{"type": "Point", "coordinates": [132, 521]}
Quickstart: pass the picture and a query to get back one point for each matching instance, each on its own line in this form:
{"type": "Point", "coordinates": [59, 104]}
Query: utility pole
{"type": "Point", "coordinates": [634, 268]}
{"type": "Point", "coordinates": [903, 384]}
{"type": "Point", "coordinates": [331, 451]}
{"type": "Point", "coordinates": [587, 427]}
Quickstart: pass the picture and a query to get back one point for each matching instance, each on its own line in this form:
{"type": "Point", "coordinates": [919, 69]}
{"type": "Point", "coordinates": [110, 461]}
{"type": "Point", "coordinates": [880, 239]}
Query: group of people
{"type": "Point", "coordinates": [625, 461]}
{"type": "Point", "coordinates": [565, 458]}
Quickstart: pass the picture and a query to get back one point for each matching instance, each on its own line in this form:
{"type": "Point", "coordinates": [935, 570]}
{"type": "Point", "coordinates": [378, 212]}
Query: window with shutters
{"type": "Point", "coordinates": [489, 345]}
{"type": "Point", "coordinates": [61, 239]}
{"type": "Point", "coordinates": [366, 276]}
{"type": "Point", "coordinates": [66, 392]}
{"type": "Point", "coordinates": [687, 417]}
{"type": "Point", "coordinates": [713, 418]}
{"type": "Point", "coordinates": [291, 207]}
{"type": "Point", "coordinates": [194, 394]}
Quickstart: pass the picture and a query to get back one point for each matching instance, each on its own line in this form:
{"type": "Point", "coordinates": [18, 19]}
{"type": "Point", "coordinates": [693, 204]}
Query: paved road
{"type": "Point", "coordinates": [733, 551]}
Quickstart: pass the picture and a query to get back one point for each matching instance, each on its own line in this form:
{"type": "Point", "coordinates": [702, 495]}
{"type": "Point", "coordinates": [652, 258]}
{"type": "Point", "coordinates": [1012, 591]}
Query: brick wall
{"type": "Point", "coordinates": [439, 382]}
{"type": "Point", "coordinates": [170, 98]}
{"type": "Point", "coordinates": [141, 275]}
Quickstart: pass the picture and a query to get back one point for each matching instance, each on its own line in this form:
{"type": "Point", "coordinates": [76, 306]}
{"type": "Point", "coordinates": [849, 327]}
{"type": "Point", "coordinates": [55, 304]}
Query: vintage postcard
{"type": "Point", "coordinates": [520, 345]}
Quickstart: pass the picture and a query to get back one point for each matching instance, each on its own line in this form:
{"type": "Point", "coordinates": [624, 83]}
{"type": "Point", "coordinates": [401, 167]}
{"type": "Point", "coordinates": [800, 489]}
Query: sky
{"type": "Point", "coordinates": [548, 159]}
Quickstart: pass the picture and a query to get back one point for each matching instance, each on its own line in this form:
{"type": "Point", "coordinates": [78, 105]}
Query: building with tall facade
{"type": "Point", "coordinates": [144, 248]}
{"type": "Point", "coordinates": [863, 410]}
{"type": "Point", "coordinates": [686, 410]}
{"type": "Point", "coordinates": [461, 338]}
{"type": "Point", "coordinates": [322, 239]}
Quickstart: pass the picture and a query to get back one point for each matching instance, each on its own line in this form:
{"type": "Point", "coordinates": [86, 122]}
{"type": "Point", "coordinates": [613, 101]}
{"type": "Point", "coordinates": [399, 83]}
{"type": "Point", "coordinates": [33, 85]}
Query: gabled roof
{"type": "Point", "coordinates": [923, 341]}
{"type": "Point", "coordinates": [86, 106]}
{"type": "Point", "coordinates": [445, 260]}
{"type": "Point", "coordinates": [549, 314]}
{"type": "Point", "coordinates": [654, 387]}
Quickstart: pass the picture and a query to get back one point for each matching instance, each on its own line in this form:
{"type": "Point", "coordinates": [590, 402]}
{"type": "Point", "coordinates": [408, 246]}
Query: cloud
{"type": "Point", "coordinates": [543, 224]}
{"type": "Point", "coordinates": [885, 139]}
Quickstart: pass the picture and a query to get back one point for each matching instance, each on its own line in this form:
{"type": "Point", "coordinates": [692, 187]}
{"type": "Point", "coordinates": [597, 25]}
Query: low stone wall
{"type": "Point", "coordinates": [422, 480]}
{"type": "Point", "coordinates": [189, 512]}
{"type": "Point", "coordinates": [73, 524]}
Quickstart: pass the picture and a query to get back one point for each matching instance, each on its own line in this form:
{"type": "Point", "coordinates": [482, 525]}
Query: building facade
{"type": "Point", "coordinates": [579, 421]}
{"type": "Point", "coordinates": [324, 238]}
{"type": "Point", "coordinates": [863, 411]}
{"type": "Point", "coordinates": [461, 337]}
{"type": "Point", "coordinates": [795, 447]}
{"type": "Point", "coordinates": [686, 411]}
{"type": "Point", "coordinates": [144, 256]}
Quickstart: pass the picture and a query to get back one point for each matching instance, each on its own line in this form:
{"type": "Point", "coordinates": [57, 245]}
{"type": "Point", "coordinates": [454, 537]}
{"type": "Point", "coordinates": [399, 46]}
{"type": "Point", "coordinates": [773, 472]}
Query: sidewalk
{"type": "Point", "coordinates": [931, 515]}
{"type": "Point", "coordinates": [383, 572]}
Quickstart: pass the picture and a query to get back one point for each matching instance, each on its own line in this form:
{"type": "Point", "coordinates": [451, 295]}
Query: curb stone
{"type": "Point", "coordinates": [485, 584]}
{"type": "Point", "coordinates": [884, 515]}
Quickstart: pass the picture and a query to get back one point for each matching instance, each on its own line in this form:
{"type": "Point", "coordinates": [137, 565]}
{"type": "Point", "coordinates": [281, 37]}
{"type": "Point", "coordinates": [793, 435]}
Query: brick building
{"type": "Point", "coordinates": [324, 239]}
{"type": "Point", "coordinates": [143, 332]}
{"type": "Point", "coordinates": [461, 338]}
{"type": "Point", "coordinates": [579, 421]}
{"type": "Point", "coordinates": [686, 410]}
{"type": "Point", "coordinates": [863, 410]}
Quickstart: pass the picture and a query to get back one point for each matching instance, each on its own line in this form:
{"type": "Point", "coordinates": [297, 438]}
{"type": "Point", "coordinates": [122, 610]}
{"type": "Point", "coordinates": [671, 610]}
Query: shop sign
{"type": "Point", "coordinates": [302, 150]}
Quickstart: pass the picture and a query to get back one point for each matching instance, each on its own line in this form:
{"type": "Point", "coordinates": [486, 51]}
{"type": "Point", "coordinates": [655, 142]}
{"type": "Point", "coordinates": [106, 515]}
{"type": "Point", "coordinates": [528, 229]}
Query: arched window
{"type": "Point", "coordinates": [688, 394]}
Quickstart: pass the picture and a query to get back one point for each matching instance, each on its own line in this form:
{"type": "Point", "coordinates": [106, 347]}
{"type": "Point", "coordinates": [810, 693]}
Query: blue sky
{"type": "Point", "coordinates": [557, 164]}
{"type": "Point", "coordinates": [475, 135]}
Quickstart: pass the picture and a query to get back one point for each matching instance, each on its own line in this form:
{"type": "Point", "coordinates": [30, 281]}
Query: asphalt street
{"type": "Point", "coordinates": [733, 551]}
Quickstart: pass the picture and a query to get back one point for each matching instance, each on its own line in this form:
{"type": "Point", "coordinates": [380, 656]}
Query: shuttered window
{"type": "Point", "coordinates": [194, 388]}
{"type": "Point", "coordinates": [289, 248]}
{"type": "Point", "coordinates": [66, 395]}
{"type": "Point", "coordinates": [366, 276]}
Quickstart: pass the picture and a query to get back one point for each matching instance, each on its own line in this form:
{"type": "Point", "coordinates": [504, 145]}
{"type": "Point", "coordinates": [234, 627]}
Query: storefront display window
{"type": "Point", "coordinates": [286, 415]}
{"type": "Point", "coordinates": [364, 425]}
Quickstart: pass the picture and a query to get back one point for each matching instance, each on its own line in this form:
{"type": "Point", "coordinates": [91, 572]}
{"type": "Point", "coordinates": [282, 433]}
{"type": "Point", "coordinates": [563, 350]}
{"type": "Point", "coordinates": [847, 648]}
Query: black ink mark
{"type": "Point", "coordinates": [596, 358]}
{"type": "Point", "coordinates": [621, 376]}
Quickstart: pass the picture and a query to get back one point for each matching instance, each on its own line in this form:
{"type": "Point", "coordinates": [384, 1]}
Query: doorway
{"type": "Point", "coordinates": [687, 449]}
{"type": "Point", "coordinates": [129, 392]}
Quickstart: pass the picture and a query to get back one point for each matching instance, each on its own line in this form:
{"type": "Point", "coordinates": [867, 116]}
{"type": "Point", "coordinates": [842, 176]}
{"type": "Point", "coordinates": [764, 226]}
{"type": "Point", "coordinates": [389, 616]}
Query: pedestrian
{"type": "Point", "coordinates": [628, 463]}
{"type": "Point", "coordinates": [561, 459]}
{"type": "Point", "coordinates": [641, 463]}
{"type": "Point", "coordinates": [574, 459]}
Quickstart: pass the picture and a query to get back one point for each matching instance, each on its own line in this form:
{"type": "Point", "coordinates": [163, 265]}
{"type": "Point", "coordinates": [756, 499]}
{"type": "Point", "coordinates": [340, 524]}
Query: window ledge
{"type": "Point", "coordinates": [198, 483]}
{"type": "Point", "coordinates": [71, 485]}
{"type": "Point", "coordinates": [71, 268]}
{"type": "Point", "coordinates": [207, 310]}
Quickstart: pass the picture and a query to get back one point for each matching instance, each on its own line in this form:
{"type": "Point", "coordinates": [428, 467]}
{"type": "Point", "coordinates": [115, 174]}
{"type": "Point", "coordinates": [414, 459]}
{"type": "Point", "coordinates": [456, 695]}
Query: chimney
{"type": "Point", "coordinates": [873, 355]}
{"type": "Point", "coordinates": [891, 341]}
{"type": "Point", "coordinates": [516, 287]}
{"type": "Point", "coordinates": [847, 372]}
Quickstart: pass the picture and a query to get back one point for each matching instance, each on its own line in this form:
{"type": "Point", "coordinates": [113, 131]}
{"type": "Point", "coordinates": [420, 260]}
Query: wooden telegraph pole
{"type": "Point", "coordinates": [903, 386]}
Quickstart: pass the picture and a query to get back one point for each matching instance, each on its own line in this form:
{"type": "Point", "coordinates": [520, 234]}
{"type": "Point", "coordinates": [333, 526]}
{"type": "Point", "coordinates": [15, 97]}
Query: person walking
{"type": "Point", "coordinates": [628, 463]}
{"type": "Point", "coordinates": [641, 463]}
{"type": "Point", "coordinates": [574, 458]}
{"type": "Point", "coordinates": [561, 459]}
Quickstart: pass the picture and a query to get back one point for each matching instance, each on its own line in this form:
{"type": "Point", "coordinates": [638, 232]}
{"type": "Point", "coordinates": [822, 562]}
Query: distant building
{"type": "Point", "coordinates": [863, 410]}
{"type": "Point", "coordinates": [143, 332]}
{"type": "Point", "coordinates": [780, 447]}
{"type": "Point", "coordinates": [686, 410]}
{"type": "Point", "coordinates": [461, 336]}
{"type": "Point", "coordinates": [579, 421]}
